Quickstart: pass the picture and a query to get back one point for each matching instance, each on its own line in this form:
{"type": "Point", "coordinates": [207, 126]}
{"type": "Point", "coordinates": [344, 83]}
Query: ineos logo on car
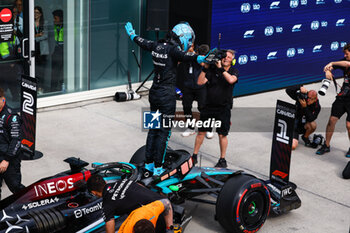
{"type": "Point", "coordinates": [53, 187]}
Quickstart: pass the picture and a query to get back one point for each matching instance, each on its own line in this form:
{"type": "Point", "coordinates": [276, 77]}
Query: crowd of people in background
{"type": "Point", "coordinates": [49, 42]}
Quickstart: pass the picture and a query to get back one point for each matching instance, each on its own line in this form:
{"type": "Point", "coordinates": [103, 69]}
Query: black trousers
{"type": "Point", "coordinates": [57, 68]}
{"type": "Point", "coordinates": [12, 176]}
{"type": "Point", "coordinates": [190, 95]}
{"type": "Point", "coordinates": [164, 100]}
{"type": "Point", "coordinates": [40, 67]}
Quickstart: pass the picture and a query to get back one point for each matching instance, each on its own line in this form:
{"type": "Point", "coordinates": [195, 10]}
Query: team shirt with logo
{"type": "Point", "coordinates": [124, 196]}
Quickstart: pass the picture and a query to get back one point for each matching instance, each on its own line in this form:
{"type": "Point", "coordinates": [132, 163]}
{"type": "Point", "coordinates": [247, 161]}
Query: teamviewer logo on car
{"type": "Point", "coordinates": [151, 120]}
{"type": "Point", "coordinates": [78, 213]}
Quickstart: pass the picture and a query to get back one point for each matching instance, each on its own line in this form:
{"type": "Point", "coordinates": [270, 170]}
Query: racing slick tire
{"type": "Point", "coordinates": [139, 156]}
{"type": "Point", "coordinates": [243, 204]}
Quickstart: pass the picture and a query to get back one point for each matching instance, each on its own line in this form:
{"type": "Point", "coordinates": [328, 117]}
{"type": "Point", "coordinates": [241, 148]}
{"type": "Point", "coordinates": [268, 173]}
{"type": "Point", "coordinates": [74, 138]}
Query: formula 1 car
{"type": "Point", "coordinates": [61, 203]}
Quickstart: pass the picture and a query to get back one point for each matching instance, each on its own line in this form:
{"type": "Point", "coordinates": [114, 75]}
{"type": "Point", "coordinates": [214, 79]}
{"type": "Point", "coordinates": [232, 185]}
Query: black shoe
{"type": "Point", "coordinates": [221, 163]}
{"type": "Point", "coordinates": [346, 172]}
{"type": "Point", "coordinates": [194, 159]}
{"type": "Point", "coordinates": [306, 141]}
{"type": "Point", "coordinates": [347, 155]}
{"type": "Point", "coordinates": [323, 149]}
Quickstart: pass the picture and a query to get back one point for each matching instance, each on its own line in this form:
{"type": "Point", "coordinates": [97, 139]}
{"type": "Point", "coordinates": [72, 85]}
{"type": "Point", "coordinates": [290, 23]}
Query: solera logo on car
{"type": "Point", "coordinates": [88, 210]}
{"type": "Point", "coordinates": [40, 203]}
{"type": "Point", "coordinates": [53, 187]}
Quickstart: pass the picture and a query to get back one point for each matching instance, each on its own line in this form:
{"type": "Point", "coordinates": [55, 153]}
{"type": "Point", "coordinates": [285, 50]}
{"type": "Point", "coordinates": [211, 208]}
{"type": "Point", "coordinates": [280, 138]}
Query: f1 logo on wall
{"type": "Point", "coordinates": [275, 5]}
{"type": "Point", "coordinates": [151, 120]}
{"type": "Point", "coordinates": [249, 34]}
{"type": "Point", "coordinates": [272, 55]}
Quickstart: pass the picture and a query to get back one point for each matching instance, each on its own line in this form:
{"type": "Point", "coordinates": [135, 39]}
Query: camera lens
{"type": "Point", "coordinates": [124, 96]}
{"type": "Point", "coordinates": [324, 87]}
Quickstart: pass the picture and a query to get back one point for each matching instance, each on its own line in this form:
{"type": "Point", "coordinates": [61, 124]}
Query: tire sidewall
{"type": "Point", "coordinates": [231, 201]}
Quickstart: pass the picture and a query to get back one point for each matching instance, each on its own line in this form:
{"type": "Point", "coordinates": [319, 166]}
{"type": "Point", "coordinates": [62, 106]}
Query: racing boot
{"type": "Point", "coordinates": [149, 166]}
{"type": "Point", "coordinates": [324, 149]}
{"type": "Point", "coordinates": [158, 171]}
{"type": "Point", "coordinates": [148, 170]}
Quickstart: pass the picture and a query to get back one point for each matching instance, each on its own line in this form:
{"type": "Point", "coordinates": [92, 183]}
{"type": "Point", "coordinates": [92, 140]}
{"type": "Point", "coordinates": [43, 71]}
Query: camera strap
{"type": "Point", "coordinates": [335, 85]}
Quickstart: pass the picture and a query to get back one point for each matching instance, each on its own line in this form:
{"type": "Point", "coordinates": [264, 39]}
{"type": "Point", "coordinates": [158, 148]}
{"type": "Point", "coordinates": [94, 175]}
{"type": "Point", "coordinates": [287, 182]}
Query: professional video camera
{"type": "Point", "coordinates": [301, 96]}
{"type": "Point", "coordinates": [215, 55]}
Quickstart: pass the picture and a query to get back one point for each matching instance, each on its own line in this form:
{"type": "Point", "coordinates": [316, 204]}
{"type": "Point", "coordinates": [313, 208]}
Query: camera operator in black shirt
{"type": "Point", "coordinates": [308, 108]}
{"type": "Point", "coordinates": [220, 80]}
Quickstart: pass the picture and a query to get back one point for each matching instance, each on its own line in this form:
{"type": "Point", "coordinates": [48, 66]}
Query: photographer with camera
{"type": "Point", "coordinates": [342, 101]}
{"type": "Point", "coordinates": [219, 78]}
{"type": "Point", "coordinates": [307, 110]}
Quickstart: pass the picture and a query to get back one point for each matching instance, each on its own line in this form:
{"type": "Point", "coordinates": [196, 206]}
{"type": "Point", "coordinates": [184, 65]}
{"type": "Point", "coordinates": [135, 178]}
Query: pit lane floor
{"type": "Point", "coordinates": [106, 131]}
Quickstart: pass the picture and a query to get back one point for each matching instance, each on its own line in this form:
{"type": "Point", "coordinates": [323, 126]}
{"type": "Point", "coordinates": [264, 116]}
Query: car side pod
{"type": "Point", "coordinates": [283, 197]}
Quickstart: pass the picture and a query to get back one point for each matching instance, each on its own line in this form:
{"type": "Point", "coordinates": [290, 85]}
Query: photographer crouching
{"type": "Point", "coordinates": [308, 108]}
{"type": "Point", "coordinates": [219, 78]}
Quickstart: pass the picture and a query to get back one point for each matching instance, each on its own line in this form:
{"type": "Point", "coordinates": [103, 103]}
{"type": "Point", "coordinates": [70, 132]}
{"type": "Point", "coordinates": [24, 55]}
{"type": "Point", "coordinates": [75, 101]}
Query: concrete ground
{"type": "Point", "coordinates": [106, 131]}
